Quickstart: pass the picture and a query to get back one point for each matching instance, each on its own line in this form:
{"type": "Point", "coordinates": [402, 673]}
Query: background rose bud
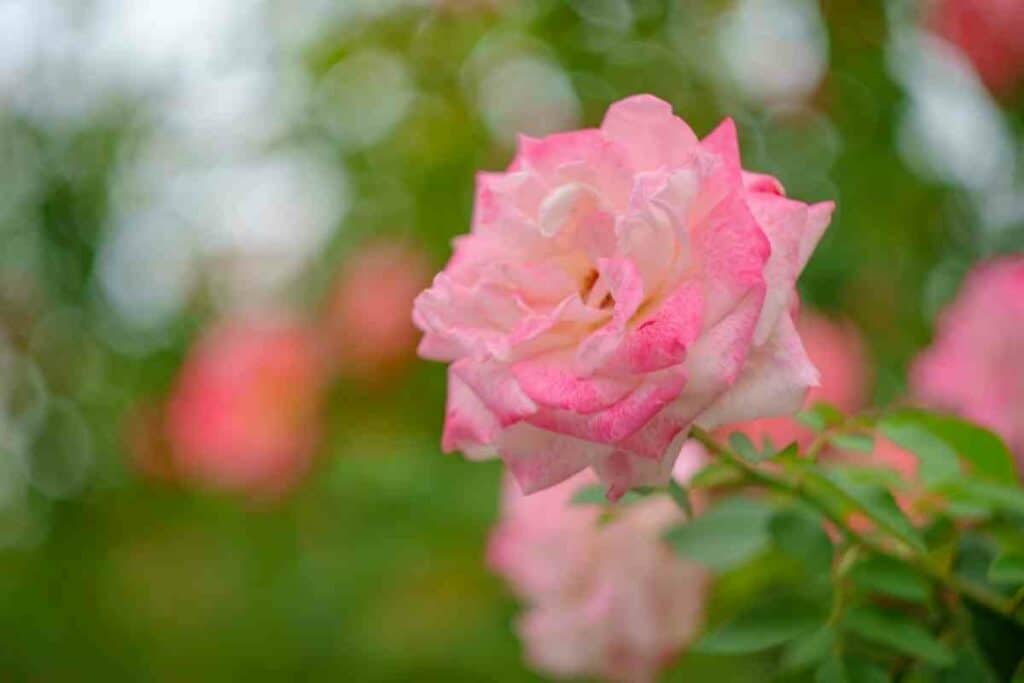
{"type": "Point", "coordinates": [619, 284]}
{"type": "Point", "coordinates": [988, 33]}
{"type": "Point", "coordinates": [975, 365]}
{"type": "Point", "coordinates": [367, 318]}
{"type": "Point", "coordinates": [244, 412]}
{"type": "Point", "coordinates": [604, 600]}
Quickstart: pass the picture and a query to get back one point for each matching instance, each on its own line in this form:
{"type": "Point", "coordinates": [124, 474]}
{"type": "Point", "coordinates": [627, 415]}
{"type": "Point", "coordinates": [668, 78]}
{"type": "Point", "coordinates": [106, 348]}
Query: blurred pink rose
{"type": "Point", "coordinates": [975, 366]}
{"type": "Point", "coordinates": [618, 285]}
{"type": "Point", "coordinates": [367, 317]}
{"type": "Point", "coordinates": [837, 350]}
{"type": "Point", "coordinates": [990, 33]}
{"type": "Point", "coordinates": [604, 600]}
{"type": "Point", "coordinates": [244, 413]}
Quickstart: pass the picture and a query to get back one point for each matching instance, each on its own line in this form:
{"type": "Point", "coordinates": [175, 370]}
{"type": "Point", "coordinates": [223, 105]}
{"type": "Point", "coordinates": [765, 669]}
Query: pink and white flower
{"type": "Point", "coordinates": [975, 366]}
{"type": "Point", "coordinates": [837, 350]}
{"type": "Point", "coordinates": [619, 285]}
{"type": "Point", "coordinates": [244, 413]}
{"type": "Point", "coordinates": [603, 600]}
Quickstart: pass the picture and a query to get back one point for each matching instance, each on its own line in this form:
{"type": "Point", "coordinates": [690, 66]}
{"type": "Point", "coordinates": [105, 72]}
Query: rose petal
{"type": "Point", "coordinates": [651, 135]}
{"type": "Point", "coordinates": [774, 382]}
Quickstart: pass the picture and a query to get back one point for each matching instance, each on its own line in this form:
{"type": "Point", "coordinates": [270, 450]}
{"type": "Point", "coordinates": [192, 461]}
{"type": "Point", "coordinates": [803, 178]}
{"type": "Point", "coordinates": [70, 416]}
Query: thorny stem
{"type": "Point", "coordinates": [899, 550]}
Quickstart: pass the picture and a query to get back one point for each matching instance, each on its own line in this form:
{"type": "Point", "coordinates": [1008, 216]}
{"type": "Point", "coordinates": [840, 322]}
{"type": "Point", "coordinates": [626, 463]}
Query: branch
{"type": "Point", "coordinates": [978, 593]}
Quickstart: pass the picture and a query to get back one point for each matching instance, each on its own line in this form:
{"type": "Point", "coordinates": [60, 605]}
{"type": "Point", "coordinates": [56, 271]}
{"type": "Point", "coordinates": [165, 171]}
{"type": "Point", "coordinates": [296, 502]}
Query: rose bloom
{"type": "Point", "coordinates": [244, 412]}
{"type": "Point", "coordinates": [603, 600]}
{"type": "Point", "coordinates": [367, 317]}
{"type": "Point", "coordinates": [990, 34]}
{"type": "Point", "coordinates": [837, 350]}
{"type": "Point", "coordinates": [619, 285]}
{"type": "Point", "coordinates": [975, 365]}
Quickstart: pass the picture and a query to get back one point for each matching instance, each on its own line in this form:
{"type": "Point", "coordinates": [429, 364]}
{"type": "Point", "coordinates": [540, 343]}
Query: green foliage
{"type": "Point", "coordinates": [809, 650]}
{"type": "Point", "coordinates": [896, 631]}
{"type": "Point", "coordinates": [891, 577]}
{"type": "Point", "coordinates": [939, 440]}
{"type": "Point", "coordinates": [726, 536]}
{"type": "Point", "coordinates": [800, 534]}
{"type": "Point", "coordinates": [850, 670]}
{"type": "Point", "coordinates": [1007, 568]}
{"type": "Point", "coordinates": [597, 494]}
{"type": "Point", "coordinates": [742, 444]}
{"type": "Point", "coordinates": [859, 443]}
{"type": "Point", "coordinates": [764, 625]}
{"type": "Point", "coordinates": [820, 417]}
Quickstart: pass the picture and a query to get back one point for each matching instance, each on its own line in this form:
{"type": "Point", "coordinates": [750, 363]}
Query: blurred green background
{"type": "Point", "coordinates": [163, 164]}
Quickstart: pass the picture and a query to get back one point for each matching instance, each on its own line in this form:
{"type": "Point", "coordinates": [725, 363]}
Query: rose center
{"type": "Point", "coordinates": [594, 293]}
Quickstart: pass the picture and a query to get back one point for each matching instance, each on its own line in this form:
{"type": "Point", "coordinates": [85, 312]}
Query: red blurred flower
{"type": "Point", "coordinates": [975, 365]}
{"type": "Point", "coordinates": [368, 318]}
{"type": "Point", "coordinates": [244, 413]}
{"type": "Point", "coordinates": [990, 33]}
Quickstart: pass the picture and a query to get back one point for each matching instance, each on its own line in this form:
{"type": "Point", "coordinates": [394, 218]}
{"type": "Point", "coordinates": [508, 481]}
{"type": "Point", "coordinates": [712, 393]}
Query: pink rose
{"type": "Point", "coordinates": [837, 350]}
{"type": "Point", "coordinates": [619, 284]}
{"type": "Point", "coordinates": [989, 33]}
{"type": "Point", "coordinates": [603, 600]}
{"type": "Point", "coordinates": [244, 412]}
{"type": "Point", "coordinates": [367, 317]}
{"type": "Point", "coordinates": [975, 366]}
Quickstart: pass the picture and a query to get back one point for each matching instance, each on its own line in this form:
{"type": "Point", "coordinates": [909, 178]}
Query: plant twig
{"type": "Point", "coordinates": [901, 551]}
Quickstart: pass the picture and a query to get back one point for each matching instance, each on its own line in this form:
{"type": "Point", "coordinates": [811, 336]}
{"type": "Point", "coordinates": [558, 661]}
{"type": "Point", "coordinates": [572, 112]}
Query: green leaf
{"type": "Point", "coordinates": [596, 494]}
{"type": "Point", "coordinates": [763, 626]}
{"type": "Point", "coordinates": [831, 671]}
{"type": "Point", "coordinates": [801, 535]}
{"type": "Point", "coordinates": [860, 443]}
{"type": "Point", "coordinates": [938, 460]}
{"type": "Point", "coordinates": [898, 632]}
{"type": "Point", "coordinates": [725, 536]}
{"type": "Point", "coordinates": [986, 452]}
{"type": "Point", "coordinates": [789, 452]}
{"type": "Point", "coordinates": [808, 650]}
{"type": "Point", "coordinates": [990, 495]}
{"type": "Point", "coordinates": [680, 496]}
{"type": "Point", "coordinates": [716, 474]}
{"type": "Point", "coordinates": [880, 504]}
{"type": "Point", "coordinates": [1008, 568]}
{"type": "Point", "coordinates": [744, 447]}
{"type": "Point", "coordinates": [850, 670]}
{"type": "Point", "coordinates": [987, 455]}
{"type": "Point", "coordinates": [970, 667]}
{"type": "Point", "coordinates": [890, 576]}
{"type": "Point", "coordinates": [820, 416]}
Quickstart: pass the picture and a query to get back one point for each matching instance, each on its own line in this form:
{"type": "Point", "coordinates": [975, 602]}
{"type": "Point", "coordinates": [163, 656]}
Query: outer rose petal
{"type": "Point", "coordinates": [469, 426]}
{"type": "Point", "coordinates": [775, 381]}
{"type": "Point", "coordinates": [622, 470]}
{"type": "Point", "coordinates": [838, 352]}
{"type": "Point", "coordinates": [794, 229]}
{"type": "Point", "coordinates": [651, 135]}
{"type": "Point", "coordinates": [539, 459]}
{"type": "Point", "coordinates": [497, 389]}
